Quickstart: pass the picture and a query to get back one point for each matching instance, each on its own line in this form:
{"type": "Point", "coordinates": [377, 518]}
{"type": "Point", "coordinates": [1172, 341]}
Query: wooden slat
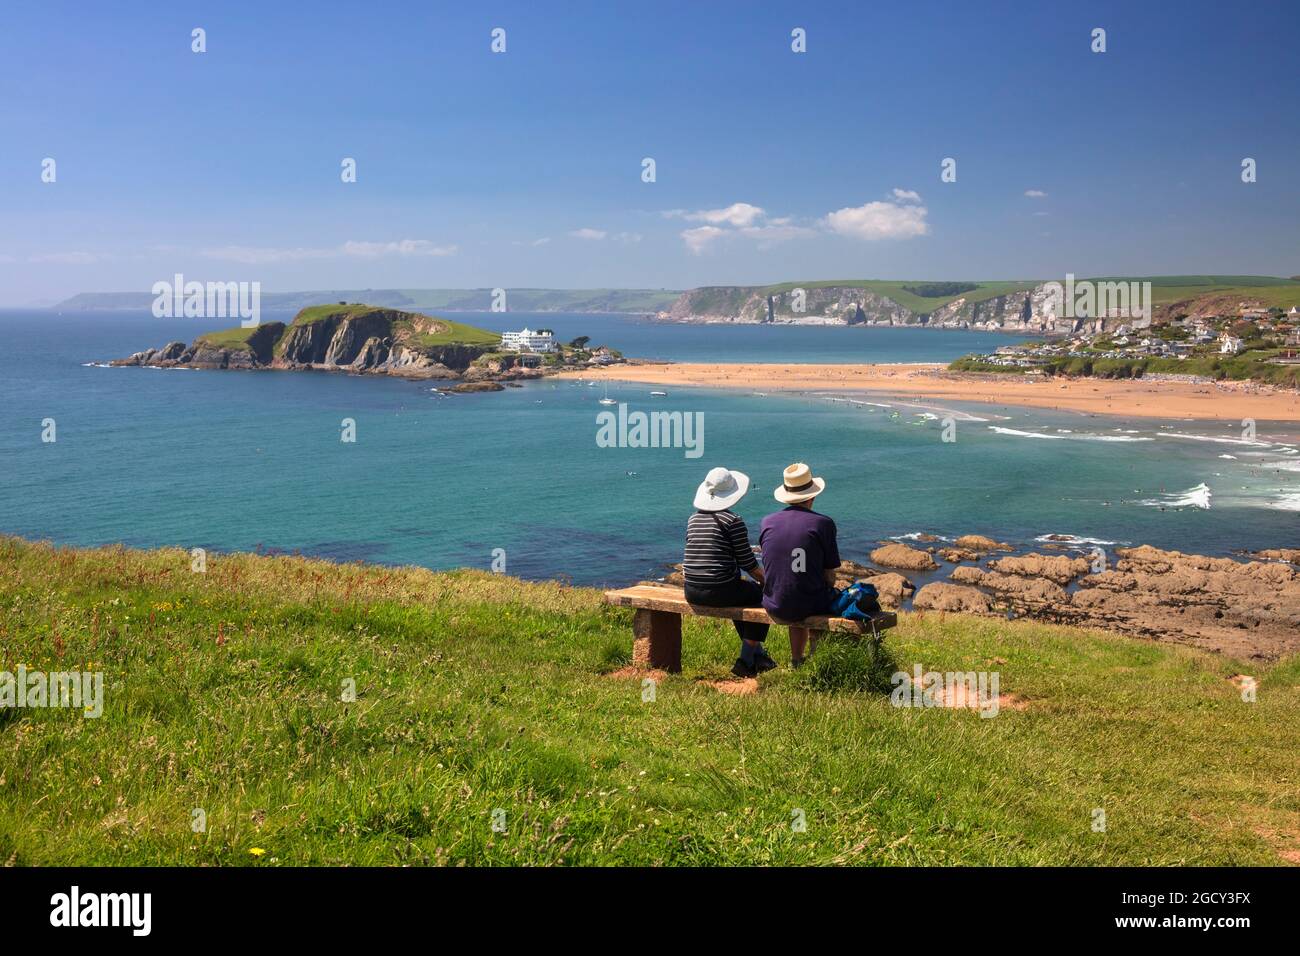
{"type": "Point", "coordinates": [662, 597]}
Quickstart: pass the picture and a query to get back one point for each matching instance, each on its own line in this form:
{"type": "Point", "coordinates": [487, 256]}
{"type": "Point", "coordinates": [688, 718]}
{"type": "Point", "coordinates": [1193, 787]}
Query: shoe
{"type": "Point", "coordinates": [741, 669]}
{"type": "Point", "coordinates": [764, 663]}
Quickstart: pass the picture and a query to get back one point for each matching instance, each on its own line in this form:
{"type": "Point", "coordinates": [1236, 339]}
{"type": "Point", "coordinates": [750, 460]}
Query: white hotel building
{"type": "Point", "coordinates": [542, 340]}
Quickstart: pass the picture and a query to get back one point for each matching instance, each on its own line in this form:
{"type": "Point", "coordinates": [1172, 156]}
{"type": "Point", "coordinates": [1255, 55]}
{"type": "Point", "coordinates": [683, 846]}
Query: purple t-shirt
{"type": "Point", "coordinates": [798, 546]}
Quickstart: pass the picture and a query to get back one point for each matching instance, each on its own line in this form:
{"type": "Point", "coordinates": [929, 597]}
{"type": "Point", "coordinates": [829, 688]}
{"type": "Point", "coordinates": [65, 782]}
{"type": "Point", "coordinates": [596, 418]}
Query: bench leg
{"type": "Point", "coordinates": [657, 640]}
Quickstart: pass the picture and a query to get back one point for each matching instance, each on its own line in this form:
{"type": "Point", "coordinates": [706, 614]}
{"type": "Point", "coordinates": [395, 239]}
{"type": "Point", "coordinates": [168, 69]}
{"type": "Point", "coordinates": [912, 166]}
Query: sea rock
{"type": "Point", "coordinates": [901, 556]}
{"type": "Point", "coordinates": [1290, 555]}
{"type": "Point", "coordinates": [1056, 567]}
{"type": "Point", "coordinates": [850, 571]}
{"type": "Point", "coordinates": [977, 542]}
{"type": "Point", "coordinates": [476, 387]}
{"type": "Point", "coordinates": [893, 589]}
{"type": "Point", "coordinates": [941, 596]}
{"type": "Point", "coordinates": [957, 555]}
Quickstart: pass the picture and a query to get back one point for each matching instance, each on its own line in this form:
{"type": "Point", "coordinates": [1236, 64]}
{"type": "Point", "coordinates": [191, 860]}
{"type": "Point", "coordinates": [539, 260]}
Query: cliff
{"type": "Point", "coordinates": [349, 338]}
{"type": "Point", "coordinates": [1010, 306]}
{"type": "Point", "coordinates": [1024, 307]}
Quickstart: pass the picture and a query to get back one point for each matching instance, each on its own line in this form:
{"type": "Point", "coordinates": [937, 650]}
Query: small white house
{"type": "Point", "coordinates": [1229, 344]}
{"type": "Point", "coordinates": [543, 340]}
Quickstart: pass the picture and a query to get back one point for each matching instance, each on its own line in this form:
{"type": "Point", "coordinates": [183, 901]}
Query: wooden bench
{"type": "Point", "coordinates": [657, 626]}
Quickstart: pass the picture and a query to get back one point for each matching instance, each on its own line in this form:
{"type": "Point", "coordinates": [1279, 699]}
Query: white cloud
{"type": "Point", "coordinates": [738, 214]}
{"type": "Point", "coordinates": [879, 220]}
{"type": "Point", "coordinates": [263, 255]}
{"type": "Point", "coordinates": [597, 235]}
{"type": "Point", "coordinates": [1035, 194]}
{"type": "Point", "coordinates": [701, 237]}
{"type": "Point", "coordinates": [542, 241]}
{"type": "Point", "coordinates": [906, 195]}
{"type": "Point", "coordinates": [402, 247]}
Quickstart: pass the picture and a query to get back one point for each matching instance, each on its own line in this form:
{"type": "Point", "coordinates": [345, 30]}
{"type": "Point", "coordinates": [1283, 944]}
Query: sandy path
{"type": "Point", "coordinates": [1133, 397]}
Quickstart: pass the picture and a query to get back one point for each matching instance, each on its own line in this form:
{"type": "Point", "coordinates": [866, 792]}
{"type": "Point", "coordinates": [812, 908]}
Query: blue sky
{"type": "Point", "coordinates": [524, 168]}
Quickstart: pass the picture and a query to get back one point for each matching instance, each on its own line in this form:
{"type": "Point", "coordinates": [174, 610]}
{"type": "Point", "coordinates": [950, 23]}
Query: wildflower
{"type": "Point", "coordinates": [257, 851]}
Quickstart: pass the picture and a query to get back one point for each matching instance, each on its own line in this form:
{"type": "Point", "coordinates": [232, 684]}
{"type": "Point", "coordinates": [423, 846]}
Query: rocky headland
{"type": "Point", "coordinates": [362, 340]}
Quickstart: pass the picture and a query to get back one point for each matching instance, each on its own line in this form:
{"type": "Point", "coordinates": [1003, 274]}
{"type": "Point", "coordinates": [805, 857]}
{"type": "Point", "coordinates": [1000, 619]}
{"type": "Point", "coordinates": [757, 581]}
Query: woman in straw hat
{"type": "Point", "coordinates": [717, 551]}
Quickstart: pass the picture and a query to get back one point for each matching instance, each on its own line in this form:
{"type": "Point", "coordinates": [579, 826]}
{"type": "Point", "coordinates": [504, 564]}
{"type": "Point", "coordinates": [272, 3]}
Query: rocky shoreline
{"type": "Point", "coordinates": [1243, 608]}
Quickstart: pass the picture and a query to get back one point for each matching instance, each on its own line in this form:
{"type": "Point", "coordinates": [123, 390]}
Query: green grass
{"type": "Point", "coordinates": [456, 333]}
{"type": "Point", "coordinates": [477, 692]}
{"type": "Point", "coordinates": [1251, 365]}
{"type": "Point", "coordinates": [234, 339]}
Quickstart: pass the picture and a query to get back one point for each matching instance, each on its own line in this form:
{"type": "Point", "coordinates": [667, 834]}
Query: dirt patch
{"type": "Point", "coordinates": [1284, 841]}
{"type": "Point", "coordinates": [960, 696]}
{"type": "Point", "coordinates": [742, 687]}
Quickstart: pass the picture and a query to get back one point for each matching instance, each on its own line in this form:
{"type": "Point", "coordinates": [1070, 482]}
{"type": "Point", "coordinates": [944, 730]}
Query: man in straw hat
{"type": "Point", "coordinates": [800, 555]}
{"type": "Point", "coordinates": [717, 551]}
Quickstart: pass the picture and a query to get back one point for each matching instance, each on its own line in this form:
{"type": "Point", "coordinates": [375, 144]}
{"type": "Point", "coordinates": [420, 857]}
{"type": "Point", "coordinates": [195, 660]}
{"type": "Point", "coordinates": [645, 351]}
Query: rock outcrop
{"type": "Point", "coordinates": [901, 556]}
{"type": "Point", "coordinates": [356, 339]}
{"type": "Point", "coordinates": [941, 596]}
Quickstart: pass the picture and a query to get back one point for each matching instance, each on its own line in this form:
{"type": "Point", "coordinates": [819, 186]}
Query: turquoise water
{"type": "Point", "coordinates": [242, 460]}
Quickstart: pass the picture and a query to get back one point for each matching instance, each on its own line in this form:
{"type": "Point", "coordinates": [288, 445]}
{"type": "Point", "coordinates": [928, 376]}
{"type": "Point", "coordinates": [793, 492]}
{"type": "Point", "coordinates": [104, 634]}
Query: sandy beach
{"type": "Point", "coordinates": [1145, 398]}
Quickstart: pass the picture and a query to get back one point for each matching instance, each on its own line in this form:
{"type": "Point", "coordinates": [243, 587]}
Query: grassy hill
{"type": "Point", "coordinates": [477, 692]}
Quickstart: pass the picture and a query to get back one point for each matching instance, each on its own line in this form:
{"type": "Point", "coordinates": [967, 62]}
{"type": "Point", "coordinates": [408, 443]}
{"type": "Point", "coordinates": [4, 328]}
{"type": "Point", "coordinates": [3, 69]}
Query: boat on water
{"type": "Point", "coordinates": [606, 400]}
{"type": "Point", "coordinates": [658, 394]}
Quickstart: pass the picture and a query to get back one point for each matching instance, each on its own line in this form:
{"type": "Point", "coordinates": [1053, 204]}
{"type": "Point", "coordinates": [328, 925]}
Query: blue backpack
{"type": "Point", "coordinates": [857, 602]}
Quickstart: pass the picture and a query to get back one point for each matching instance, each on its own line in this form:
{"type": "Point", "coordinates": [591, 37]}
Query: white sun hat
{"type": "Point", "coordinates": [721, 489]}
{"type": "Point", "coordinates": [798, 484]}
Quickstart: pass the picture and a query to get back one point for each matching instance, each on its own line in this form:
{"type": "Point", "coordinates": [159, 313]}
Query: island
{"type": "Point", "coordinates": [371, 340]}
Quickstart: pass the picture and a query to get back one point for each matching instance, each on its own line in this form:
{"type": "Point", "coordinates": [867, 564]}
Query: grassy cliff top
{"type": "Point", "coordinates": [234, 339]}
{"type": "Point", "coordinates": [422, 331]}
{"type": "Point", "coordinates": [414, 327]}
{"type": "Point", "coordinates": [240, 338]}
{"type": "Point", "coordinates": [473, 691]}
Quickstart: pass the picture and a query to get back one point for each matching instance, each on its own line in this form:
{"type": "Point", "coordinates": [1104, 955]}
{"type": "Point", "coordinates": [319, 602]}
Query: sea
{"type": "Point", "coordinates": [518, 481]}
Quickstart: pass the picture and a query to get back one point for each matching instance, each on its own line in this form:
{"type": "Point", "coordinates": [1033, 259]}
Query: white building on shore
{"type": "Point", "coordinates": [542, 340]}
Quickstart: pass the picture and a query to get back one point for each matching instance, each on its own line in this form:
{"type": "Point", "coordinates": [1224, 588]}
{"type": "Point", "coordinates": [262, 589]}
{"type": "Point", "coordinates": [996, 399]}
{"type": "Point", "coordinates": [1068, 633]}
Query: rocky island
{"type": "Point", "coordinates": [364, 339]}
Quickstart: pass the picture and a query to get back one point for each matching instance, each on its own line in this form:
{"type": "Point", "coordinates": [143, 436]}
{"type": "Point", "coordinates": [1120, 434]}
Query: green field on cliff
{"type": "Point", "coordinates": [477, 693]}
{"type": "Point", "coordinates": [452, 333]}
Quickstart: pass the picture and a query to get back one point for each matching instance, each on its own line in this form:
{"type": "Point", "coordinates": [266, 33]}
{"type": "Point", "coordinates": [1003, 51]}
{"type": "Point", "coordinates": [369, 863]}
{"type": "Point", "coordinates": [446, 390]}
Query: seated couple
{"type": "Point", "coordinates": [800, 555]}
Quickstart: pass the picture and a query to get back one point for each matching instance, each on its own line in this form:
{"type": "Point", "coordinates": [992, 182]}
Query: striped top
{"type": "Point", "coordinates": [717, 548]}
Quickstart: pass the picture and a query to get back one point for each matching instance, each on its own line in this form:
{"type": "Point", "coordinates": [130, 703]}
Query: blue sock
{"type": "Point", "coordinates": [747, 652]}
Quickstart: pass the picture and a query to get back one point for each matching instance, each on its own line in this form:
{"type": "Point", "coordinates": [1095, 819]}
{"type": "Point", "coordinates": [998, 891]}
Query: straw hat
{"type": "Point", "coordinates": [798, 484]}
{"type": "Point", "coordinates": [721, 489]}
